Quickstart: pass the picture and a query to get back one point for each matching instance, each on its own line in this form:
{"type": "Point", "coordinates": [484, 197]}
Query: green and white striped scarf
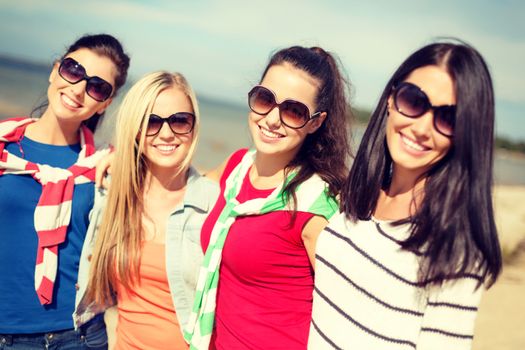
{"type": "Point", "coordinates": [312, 196]}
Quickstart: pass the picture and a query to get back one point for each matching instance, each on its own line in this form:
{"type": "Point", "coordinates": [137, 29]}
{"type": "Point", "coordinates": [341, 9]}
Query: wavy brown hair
{"type": "Point", "coordinates": [326, 151]}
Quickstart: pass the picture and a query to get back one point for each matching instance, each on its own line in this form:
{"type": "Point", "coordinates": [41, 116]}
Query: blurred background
{"type": "Point", "coordinates": [223, 46]}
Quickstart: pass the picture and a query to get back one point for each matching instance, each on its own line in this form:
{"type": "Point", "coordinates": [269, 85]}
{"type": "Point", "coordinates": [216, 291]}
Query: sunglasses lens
{"type": "Point", "coordinates": [154, 125]}
{"type": "Point", "coordinates": [261, 100]}
{"type": "Point", "coordinates": [444, 119]}
{"type": "Point", "coordinates": [182, 122]}
{"type": "Point", "coordinates": [294, 114]}
{"type": "Point", "coordinates": [71, 71]}
{"type": "Point", "coordinates": [410, 100]}
{"type": "Point", "coordinates": [98, 88]}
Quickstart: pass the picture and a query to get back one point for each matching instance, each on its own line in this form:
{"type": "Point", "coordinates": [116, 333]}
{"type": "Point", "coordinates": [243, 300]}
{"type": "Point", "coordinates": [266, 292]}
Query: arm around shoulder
{"type": "Point", "coordinates": [215, 174]}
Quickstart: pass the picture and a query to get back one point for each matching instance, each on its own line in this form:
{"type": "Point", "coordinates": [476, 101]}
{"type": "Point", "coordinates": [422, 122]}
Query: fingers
{"type": "Point", "coordinates": [103, 169]}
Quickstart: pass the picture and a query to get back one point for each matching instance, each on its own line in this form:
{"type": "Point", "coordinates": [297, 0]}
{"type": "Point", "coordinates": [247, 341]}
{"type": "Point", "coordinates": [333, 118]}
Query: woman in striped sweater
{"type": "Point", "coordinates": [404, 264]}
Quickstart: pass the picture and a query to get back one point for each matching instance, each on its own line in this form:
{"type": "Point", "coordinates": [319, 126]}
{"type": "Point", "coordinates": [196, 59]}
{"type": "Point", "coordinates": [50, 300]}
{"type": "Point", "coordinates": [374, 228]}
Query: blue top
{"type": "Point", "coordinates": [20, 309]}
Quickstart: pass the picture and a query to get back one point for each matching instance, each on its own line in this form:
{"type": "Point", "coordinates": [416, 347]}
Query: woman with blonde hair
{"type": "Point", "coordinates": [147, 250]}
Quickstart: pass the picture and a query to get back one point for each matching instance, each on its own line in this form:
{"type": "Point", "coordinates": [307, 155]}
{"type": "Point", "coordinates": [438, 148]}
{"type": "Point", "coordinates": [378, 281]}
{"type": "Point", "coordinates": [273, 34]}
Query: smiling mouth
{"type": "Point", "coordinates": [269, 133]}
{"type": "Point", "coordinates": [166, 148]}
{"type": "Point", "coordinates": [413, 145]}
{"type": "Point", "coordinates": [68, 101]}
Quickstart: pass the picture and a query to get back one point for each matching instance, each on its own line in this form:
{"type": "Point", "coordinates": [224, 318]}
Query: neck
{"type": "Point", "coordinates": [404, 181]}
{"type": "Point", "coordinates": [48, 129]}
{"type": "Point", "coordinates": [163, 193]}
{"type": "Point", "coordinates": [267, 171]}
{"type": "Point", "coordinates": [163, 180]}
{"type": "Point", "coordinates": [402, 198]}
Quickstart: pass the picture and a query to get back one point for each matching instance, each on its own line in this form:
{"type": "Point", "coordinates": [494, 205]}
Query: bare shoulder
{"type": "Point", "coordinates": [313, 227]}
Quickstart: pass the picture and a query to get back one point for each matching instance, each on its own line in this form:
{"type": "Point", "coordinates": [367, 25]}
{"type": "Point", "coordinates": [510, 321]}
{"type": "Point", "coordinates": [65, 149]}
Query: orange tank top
{"type": "Point", "coordinates": [147, 318]}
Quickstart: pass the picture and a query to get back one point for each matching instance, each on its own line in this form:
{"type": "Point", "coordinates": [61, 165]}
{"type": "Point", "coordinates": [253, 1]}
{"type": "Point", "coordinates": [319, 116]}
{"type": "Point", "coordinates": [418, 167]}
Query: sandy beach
{"type": "Point", "coordinates": [501, 317]}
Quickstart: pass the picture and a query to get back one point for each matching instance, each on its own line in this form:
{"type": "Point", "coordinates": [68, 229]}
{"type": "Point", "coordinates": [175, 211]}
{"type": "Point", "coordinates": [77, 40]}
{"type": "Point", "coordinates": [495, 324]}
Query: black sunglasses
{"type": "Point", "coordinates": [413, 102]}
{"type": "Point", "coordinates": [293, 114]}
{"type": "Point", "coordinates": [180, 123]}
{"type": "Point", "coordinates": [73, 72]}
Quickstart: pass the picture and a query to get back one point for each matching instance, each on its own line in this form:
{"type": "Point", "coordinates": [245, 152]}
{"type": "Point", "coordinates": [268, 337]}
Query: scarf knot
{"type": "Point", "coordinates": [312, 196]}
{"type": "Point", "coordinates": [53, 210]}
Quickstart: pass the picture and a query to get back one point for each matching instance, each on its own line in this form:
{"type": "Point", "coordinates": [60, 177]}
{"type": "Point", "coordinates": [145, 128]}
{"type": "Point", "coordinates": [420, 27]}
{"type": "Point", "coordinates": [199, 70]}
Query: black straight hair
{"type": "Point", "coordinates": [326, 151]}
{"type": "Point", "coordinates": [454, 226]}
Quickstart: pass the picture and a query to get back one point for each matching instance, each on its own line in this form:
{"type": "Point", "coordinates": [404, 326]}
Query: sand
{"type": "Point", "coordinates": [500, 323]}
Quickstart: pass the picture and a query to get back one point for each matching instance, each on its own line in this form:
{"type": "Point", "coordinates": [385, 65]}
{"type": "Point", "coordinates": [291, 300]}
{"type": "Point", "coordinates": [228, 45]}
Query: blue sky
{"type": "Point", "coordinates": [222, 46]}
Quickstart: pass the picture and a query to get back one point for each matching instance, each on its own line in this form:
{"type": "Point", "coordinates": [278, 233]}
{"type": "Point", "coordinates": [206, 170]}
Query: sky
{"type": "Point", "coordinates": [222, 46]}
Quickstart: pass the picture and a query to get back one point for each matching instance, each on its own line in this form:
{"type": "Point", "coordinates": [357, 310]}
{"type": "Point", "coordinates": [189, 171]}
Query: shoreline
{"type": "Point", "coordinates": [507, 154]}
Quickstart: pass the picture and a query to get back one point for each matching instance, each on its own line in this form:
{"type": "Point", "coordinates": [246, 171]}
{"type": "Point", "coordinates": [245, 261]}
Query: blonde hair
{"type": "Point", "coordinates": [121, 234]}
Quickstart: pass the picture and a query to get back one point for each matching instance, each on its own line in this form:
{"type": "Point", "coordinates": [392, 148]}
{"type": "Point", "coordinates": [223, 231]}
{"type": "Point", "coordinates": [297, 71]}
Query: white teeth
{"type": "Point", "coordinates": [269, 133]}
{"type": "Point", "coordinates": [166, 148]}
{"type": "Point", "coordinates": [70, 102]}
{"type": "Point", "coordinates": [412, 144]}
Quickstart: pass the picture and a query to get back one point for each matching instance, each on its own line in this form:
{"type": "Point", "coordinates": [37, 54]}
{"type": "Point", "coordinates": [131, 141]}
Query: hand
{"type": "Point", "coordinates": [215, 174]}
{"type": "Point", "coordinates": [104, 169]}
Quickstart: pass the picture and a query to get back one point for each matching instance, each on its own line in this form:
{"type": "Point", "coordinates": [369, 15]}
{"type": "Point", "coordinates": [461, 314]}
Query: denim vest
{"type": "Point", "coordinates": [183, 248]}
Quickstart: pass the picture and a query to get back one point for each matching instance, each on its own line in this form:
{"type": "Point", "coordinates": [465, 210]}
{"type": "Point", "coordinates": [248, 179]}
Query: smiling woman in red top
{"type": "Point", "coordinates": [260, 237]}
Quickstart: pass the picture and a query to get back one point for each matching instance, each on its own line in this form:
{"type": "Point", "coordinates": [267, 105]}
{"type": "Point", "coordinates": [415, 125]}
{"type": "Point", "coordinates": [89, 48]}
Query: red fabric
{"type": "Point", "coordinates": [264, 297]}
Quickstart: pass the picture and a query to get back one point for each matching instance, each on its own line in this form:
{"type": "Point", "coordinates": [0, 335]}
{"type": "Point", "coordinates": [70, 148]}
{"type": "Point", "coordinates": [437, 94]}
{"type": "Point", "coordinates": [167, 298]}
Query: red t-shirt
{"type": "Point", "coordinates": [264, 297]}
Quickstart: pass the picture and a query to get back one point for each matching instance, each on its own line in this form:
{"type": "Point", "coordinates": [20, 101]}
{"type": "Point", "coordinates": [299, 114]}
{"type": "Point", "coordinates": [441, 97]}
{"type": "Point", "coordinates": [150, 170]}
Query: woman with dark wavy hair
{"type": "Point", "coordinates": [255, 286]}
{"type": "Point", "coordinates": [404, 264]}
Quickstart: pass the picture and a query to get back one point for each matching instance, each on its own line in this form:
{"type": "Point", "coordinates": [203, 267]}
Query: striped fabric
{"type": "Point", "coordinates": [53, 210]}
{"type": "Point", "coordinates": [311, 196]}
{"type": "Point", "coordinates": [366, 294]}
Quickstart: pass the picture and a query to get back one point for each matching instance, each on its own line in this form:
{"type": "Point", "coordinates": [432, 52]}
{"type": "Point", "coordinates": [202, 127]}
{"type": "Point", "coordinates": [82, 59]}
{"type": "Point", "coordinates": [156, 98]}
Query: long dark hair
{"type": "Point", "coordinates": [454, 225]}
{"type": "Point", "coordinates": [326, 151]}
{"type": "Point", "coordinates": [107, 46]}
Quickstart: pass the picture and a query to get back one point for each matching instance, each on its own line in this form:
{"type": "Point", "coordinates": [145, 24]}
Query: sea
{"type": "Point", "coordinates": [224, 128]}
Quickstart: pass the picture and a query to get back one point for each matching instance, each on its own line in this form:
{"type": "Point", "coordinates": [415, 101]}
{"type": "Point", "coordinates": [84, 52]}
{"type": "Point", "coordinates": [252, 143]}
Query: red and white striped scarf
{"type": "Point", "coordinates": [53, 210]}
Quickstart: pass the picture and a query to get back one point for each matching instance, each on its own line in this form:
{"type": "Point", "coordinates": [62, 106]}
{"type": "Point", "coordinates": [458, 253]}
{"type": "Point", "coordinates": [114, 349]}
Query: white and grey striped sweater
{"type": "Point", "coordinates": [367, 297]}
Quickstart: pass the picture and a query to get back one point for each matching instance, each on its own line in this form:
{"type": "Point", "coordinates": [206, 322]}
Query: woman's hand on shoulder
{"type": "Point", "coordinates": [104, 169]}
{"type": "Point", "coordinates": [216, 173]}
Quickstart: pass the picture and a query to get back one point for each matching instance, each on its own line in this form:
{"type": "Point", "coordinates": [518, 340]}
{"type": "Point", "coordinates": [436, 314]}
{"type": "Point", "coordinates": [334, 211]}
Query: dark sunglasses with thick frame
{"type": "Point", "coordinates": [411, 101]}
{"type": "Point", "coordinates": [180, 123]}
{"type": "Point", "coordinates": [293, 114]}
{"type": "Point", "coordinates": [73, 72]}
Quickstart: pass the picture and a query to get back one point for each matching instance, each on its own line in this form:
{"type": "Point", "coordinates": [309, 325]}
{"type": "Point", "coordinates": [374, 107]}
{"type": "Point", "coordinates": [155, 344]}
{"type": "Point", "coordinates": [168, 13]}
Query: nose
{"type": "Point", "coordinates": [165, 131]}
{"type": "Point", "coordinates": [273, 118]}
{"type": "Point", "coordinates": [78, 89]}
{"type": "Point", "coordinates": [423, 125]}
